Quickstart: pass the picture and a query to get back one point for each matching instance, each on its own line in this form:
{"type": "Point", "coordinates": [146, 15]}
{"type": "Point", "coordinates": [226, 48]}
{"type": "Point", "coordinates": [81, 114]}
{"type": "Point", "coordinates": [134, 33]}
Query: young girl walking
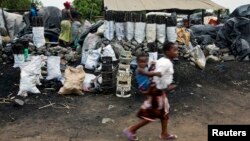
{"type": "Point", "coordinates": [156, 93]}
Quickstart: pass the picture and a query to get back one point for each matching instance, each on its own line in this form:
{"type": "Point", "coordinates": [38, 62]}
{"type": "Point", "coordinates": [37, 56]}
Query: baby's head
{"type": "Point", "coordinates": [142, 60]}
{"type": "Point", "coordinates": [170, 50]}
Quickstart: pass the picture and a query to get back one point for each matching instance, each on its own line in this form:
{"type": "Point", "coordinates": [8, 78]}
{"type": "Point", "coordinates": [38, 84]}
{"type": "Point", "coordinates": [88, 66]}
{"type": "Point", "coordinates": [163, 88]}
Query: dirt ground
{"type": "Point", "coordinates": [223, 99]}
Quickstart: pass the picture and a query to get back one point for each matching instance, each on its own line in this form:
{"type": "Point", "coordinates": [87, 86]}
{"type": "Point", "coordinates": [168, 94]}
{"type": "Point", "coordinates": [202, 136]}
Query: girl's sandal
{"type": "Point", "coordinates": [169, 137]}
{"type": "Point", "coordinates": [129, 135]}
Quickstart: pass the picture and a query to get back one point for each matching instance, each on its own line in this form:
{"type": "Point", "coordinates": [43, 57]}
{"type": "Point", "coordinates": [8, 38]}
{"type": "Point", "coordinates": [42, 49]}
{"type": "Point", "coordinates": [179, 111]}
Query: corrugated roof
{"type": "Point", "coordinates": [140, 5]}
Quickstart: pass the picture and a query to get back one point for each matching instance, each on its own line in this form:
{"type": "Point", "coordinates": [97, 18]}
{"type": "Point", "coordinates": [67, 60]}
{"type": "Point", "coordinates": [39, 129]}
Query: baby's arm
{"type": "Point", "coordinates": [149, 74]}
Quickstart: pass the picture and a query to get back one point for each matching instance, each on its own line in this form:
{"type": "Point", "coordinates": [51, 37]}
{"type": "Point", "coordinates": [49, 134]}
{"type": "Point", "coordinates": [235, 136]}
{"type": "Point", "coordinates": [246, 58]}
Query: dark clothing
{"type": "Point", "coordinates": [33, 12]}
{"type": "Point", "coordinates": [65, 14]}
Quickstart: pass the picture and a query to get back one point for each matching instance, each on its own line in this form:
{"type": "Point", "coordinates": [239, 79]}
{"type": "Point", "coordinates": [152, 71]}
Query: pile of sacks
{"type": "Point", "coordinates": [72, 79]}
{"type": "Point", "coordinates": [152, 27]}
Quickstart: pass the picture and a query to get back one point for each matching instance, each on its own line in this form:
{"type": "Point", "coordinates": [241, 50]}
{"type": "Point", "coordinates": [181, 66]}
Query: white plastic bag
{"type": "Point", "coordinates": [120, 31]}
{"type": "Point", "coordinates": [38, 36]}
{"type": "Point", "coordinates": [27, 84]}
{"type": "Point", "coordinates": [91, 41]}
{"type": "Point", "coordinates": [15, 23]}
{"type": "Point", "coordinates": [30, 74]}
{"type": "Point", "coordinates": [89, 44]}
{"type": "Point", "coordinates": [92, 59]}
{"type": "Point", "coordinates": [172, 34]}
{"type": "Point", "coordinates": [87, 81]}
{"type": "Point", "coordinates": [84, 56]}
{"type": "Point", "coordinates": [140, 32]}
{"type": "Point", "coordinates": [53, 68]}
{"type": "Point", "coordinates": [108, 51]}
{"type": "Point", "coordinates": [109, 30]}
{"type": "Point", "coordinates": [151, 33]}
{"type": "Point", "coordinates": [130, 30]}
{"type": "Point", "coordinates": [161, 32]}
{"type": "Point", "coordinates": [19, 60]}
{"type": "Point", "coordinates": [198, 57]}
{"type": "Point", "coordinates": [37, 61]}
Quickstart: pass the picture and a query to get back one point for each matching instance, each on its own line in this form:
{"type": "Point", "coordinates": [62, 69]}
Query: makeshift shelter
{"type": "Point", "coordinates": [141, 5]}
{"type": "Point", "coordinates": [178, 6]}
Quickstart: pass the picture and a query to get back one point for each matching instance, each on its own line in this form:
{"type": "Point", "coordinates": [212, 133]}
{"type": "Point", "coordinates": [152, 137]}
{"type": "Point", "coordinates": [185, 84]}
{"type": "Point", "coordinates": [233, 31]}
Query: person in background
{"type": "Point", "coordinates": [66, 31]}
{"type": "Point", "coordinates": [33, 10]}
{"type": "Point", "coordinates": [76, 24]}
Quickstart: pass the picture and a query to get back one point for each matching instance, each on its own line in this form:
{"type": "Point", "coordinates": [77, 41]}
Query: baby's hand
{"type": "Point", "coordinates": [158, 74]}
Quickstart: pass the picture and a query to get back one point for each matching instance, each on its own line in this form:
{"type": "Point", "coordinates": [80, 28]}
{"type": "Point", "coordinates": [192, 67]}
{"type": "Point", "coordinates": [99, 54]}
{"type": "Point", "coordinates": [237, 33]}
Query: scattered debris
{"type": "Point", "coordinates": [19, 102]}
{"type": "Point", "coordinates": [107, 120]}
{"type": "Point", "coordinates": [240, 82]}
{"type": "Point", "coordinates": [51, 104]}
{"type": "Point", "coordinates": [65, 106]}
{"type": "Point", "coordinates": [111, 107]}
{"type": "Point", "coordinates": [199, 85]}
{"type": "Point", "coordinates": [4, 101]}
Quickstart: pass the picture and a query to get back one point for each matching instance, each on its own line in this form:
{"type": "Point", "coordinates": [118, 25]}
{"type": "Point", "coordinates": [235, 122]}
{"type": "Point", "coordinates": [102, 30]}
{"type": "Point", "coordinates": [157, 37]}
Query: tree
{"type": "Point", "coordinates": [18, 4]}
{"type": "Point", "coordinates": [89, 8]}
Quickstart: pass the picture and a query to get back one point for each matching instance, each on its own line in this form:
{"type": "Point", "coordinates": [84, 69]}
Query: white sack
{"type": "Point", "coordinates": [37, 61]}
{"type": "Point", "coordinates": [87, 81]}
{"type": "Point", "coordinates": [161, 32]}
{"type": "Point", "coordinates": [30, 74]}
{"type": "Point", "coordinates": [198, 57]}
{"type": "Point", "coordinates": [120, 31]}
{"type": "Point", "coordinates": [108, 51]}
{"type": "Point", "coordinates": [140, 32]}
{"type": "Point", "coordinates": [15, 23]}
{"type": "Point", "coordinates": [92, 59]}
{"type": "Point", "coordinates": [89, 44]}
{"type": "Point", "coordinates": [158, 14]}
{"type": "Point", "coordinates": [53, 68]}
{"type": "Point", "coordinates": [151, 33]}
{"type": "Point", "coordinates": [109, 30]}
{"type": "Point", "coordinates": [130, 30]}
{"type": "Point", "coordinates": [172, 34]}
{"type": "Point", "coordinates": [86, 26]}
{"type": "Point", "coordinates": [18, 60]}
{"type": "Point", "coordinates": [38, 36]}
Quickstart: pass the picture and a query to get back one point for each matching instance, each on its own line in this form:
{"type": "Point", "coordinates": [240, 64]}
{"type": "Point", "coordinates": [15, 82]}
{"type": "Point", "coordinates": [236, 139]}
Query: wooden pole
{"type": "Point", "coordinates": [202, 16]}
{"type": "Point", "coordinates": [218, 16]}
{"type": "Point", "coordinates": [188, 20]}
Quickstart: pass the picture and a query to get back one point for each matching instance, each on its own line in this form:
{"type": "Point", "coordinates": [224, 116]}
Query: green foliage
{"type": "Point", "coordinates": [89, 8]}
{"type": "Point", "coordinates": [18, 4]}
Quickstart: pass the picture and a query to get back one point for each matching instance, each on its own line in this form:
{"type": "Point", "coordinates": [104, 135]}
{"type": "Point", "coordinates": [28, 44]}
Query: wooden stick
{"type": "Point", "coordinates": [51, 104]}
